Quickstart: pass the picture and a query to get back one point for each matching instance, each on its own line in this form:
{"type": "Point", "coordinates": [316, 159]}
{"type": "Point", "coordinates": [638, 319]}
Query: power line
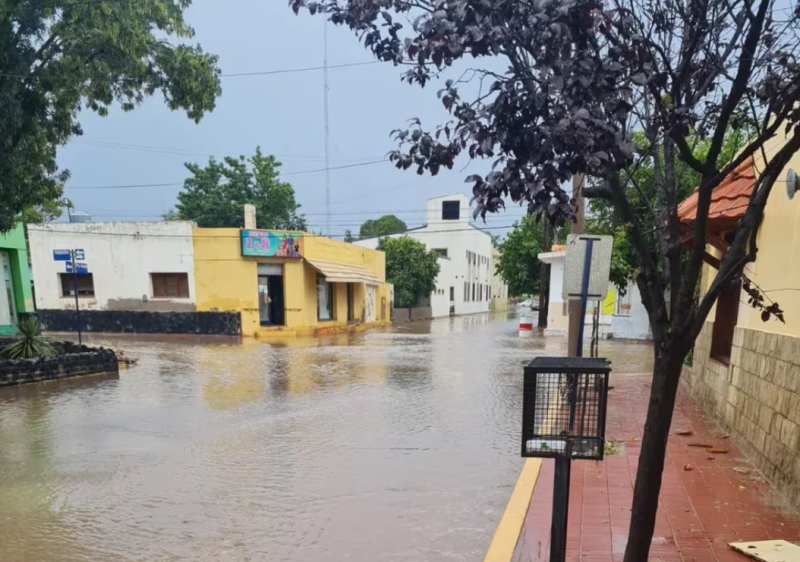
{"type": "Point", "coordinates": [190, 152]}
{"type": "Point", "coordinates": [237, 236]}
{"type": "Point", "coordinates": [138, 185]}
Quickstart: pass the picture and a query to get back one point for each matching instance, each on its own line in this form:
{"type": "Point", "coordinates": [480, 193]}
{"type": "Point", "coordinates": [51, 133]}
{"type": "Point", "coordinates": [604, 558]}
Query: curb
{"type": "Point", "coordinates": [504, 542]}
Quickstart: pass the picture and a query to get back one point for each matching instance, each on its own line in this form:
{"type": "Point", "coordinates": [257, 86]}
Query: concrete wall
{"type": "Point", "coordinates": [120, 256]}
{"type": "Point", "coordinates": [458, 237]}
{"type": "Point", "coordinates": [633, 324]}
{"type": "Point", "coordinates": [226, 281]}
{"type": "Point", "coordinates": [756, 399]}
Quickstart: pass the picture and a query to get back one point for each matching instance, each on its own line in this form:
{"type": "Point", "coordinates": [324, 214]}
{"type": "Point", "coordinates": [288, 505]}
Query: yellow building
{"type": "Point", "coordinates": [289, 283]}
{"type": "Point", "coordinates": [745, 371]}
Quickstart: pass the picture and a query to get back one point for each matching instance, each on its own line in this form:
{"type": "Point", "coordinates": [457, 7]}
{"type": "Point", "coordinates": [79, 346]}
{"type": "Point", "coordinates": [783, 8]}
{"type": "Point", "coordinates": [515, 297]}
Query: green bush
{"type": "Point", "coordinates": [30, 344]}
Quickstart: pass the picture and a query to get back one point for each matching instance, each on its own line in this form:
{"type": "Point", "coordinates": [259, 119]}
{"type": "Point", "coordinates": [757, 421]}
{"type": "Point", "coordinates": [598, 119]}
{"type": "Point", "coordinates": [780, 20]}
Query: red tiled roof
{"type": "Point", "coordinates": [729, 200]}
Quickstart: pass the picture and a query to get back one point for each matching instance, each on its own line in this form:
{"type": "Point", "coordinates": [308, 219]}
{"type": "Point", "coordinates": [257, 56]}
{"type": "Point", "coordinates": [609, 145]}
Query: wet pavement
{"type": "Point", "coordinates": [400, 444]}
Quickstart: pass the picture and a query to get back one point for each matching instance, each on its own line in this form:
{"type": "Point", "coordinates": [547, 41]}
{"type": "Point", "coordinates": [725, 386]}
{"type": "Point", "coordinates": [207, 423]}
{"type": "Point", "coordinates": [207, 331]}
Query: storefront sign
{"type": "Point", "coordinates": [266, 243]}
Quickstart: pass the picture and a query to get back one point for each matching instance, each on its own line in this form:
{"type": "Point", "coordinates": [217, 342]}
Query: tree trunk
{"type": "Point", "coordinates": [544, 280]}
{"type": "Point", "coordinates": [666, 374]}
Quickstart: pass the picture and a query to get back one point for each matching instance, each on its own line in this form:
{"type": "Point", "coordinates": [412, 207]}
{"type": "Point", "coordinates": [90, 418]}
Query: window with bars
{"type": "Point", "coordinates": [170, 285]}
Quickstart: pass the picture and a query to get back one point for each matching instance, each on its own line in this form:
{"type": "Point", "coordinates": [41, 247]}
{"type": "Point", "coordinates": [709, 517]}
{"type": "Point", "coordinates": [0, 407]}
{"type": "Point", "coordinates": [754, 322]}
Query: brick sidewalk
{"type": "Point", "coordinates": [701, 510]}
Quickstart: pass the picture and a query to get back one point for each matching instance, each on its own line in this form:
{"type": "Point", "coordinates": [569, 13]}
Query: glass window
{"type": "Point", "coordinates": [451, 210]}
{"type": "Point", "coordinates": [170, 285]}
{"type": "Point", "coordinates": [85, 285]}
{"type": "Point", "coordinates": [441, 252]}
{"type": "Point", "coordinates": [324, 299]}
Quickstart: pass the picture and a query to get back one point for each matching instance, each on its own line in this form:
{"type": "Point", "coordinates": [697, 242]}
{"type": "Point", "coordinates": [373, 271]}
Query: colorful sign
{"type": "Point", "coordinates": [266, 243]}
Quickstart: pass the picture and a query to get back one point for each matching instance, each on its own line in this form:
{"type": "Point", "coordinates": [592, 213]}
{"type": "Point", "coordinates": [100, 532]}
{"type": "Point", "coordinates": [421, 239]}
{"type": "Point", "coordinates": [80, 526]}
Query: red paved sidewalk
{"type": "Point", "coordinates": [701, 510]}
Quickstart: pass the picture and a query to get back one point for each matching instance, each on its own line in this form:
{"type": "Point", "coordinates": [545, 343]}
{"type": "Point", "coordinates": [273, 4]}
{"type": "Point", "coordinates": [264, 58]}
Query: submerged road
{"type": "Point", "coordinates": [393, 445]}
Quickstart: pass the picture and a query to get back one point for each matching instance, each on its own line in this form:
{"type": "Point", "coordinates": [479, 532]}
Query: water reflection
{"type": "Point", "coordinates": [392, 444]}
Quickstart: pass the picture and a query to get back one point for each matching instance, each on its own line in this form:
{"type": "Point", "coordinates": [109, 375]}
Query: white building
{"type": "Point", "coordinates": [465, 280]}
{"type": "Point", "coordinates": [146, 266]}
{"type": "Point", "coordinates": [622, 317]}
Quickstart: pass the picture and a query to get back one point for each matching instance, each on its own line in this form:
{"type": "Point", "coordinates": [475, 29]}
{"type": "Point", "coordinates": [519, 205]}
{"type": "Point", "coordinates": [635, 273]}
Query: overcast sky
{"type": "Point", "coordinates": [283, 113]}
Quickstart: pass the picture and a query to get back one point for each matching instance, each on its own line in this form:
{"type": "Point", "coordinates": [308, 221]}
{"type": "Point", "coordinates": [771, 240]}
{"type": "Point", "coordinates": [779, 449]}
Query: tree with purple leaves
{"type": "Point", "coordinates": [581, 78]}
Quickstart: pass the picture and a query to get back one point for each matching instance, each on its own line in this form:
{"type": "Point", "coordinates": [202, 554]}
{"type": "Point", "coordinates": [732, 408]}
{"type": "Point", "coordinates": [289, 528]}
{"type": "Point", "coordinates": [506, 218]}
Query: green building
{"type": "Point", "coordinates": [16, 295]}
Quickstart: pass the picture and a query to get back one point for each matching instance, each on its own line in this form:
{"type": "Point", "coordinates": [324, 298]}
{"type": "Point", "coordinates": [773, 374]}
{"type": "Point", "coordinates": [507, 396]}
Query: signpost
{"type": "Point", "coordinates": [586, 276]}
{"type": "Point", "coordinates": [75, 268]}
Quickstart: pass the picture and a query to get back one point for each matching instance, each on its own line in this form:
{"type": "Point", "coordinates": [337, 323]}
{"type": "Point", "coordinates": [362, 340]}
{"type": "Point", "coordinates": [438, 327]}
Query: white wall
{"type": "Point", "coordinates": [120, 256]}
{"type": "Point", "coordinates": [458, 237]}
{"type": "Point", "coordinates": [635, 325]}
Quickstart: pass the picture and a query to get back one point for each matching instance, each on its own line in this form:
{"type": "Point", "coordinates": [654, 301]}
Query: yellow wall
{"type": "Point", "coordinates": [224, 280]}
{"type": "Point", "coordinates": [775, 270]}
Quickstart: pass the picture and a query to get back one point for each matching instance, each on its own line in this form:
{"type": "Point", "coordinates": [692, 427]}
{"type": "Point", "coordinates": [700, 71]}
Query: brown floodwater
{"type": "Point", "coordinates": [392, 445]}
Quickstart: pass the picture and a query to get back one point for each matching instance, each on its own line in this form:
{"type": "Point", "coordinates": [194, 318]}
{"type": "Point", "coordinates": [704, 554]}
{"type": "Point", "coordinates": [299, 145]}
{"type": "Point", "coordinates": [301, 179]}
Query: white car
{"type": "Point", "coordinates": [530, 303]}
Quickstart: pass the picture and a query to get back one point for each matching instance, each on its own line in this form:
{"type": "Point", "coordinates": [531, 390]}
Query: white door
{"type": "Point", "coordinates": [370, 303]}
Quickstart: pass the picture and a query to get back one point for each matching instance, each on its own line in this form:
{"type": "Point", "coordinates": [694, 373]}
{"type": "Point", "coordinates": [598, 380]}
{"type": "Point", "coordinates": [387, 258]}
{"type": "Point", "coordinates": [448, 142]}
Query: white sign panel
{"type": "Point", "coordinates": [575, 260]}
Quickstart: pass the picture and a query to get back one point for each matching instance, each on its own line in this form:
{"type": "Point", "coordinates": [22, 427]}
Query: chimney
{"type": "Point", "coordinates": [250, 216]}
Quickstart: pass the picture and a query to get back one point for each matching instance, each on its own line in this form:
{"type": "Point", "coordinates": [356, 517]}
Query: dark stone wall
{"type": "Point", "coordinates": [143, 322]}
{"type": "Point", "coordinates": [73, 360]}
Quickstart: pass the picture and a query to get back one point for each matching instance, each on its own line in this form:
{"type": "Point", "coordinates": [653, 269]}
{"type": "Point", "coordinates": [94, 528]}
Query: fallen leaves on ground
{"type": "Point", "coordinates": [688, 467]}
{"type": "Point", "coordinates": [684, 432]}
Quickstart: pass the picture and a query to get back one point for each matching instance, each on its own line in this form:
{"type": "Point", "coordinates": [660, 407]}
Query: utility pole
{"type": "Point", "coordinates": [577, 227]}
{"type": "Point", "coordinates": [327, 128]}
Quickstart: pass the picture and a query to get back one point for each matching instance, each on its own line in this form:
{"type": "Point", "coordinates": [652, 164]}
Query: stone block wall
{"type": "Point", "coordinates": [73, 361]}
{"type": "Point", "coordinates": [756, 399]}
{"type": "Point", "coordinates": [143, 322]}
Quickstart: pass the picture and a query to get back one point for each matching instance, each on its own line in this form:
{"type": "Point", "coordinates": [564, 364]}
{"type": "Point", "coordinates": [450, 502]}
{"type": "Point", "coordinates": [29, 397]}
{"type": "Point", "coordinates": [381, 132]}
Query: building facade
{"type": "Point", "coordinates": [15, 294]}
{"type": "Point", "coordinates": [177, 278]}
{"type": "Point", "coordinates": [295, 283]}
{"type": "Point", "coordinates": [746, 372]}
{"type": "Point", "coordinates": [621, 316]}
{"type": "Point", "coordinates": [132, 266]}
{"type": "Point", "coordinates": [498, 290]}
{"type": "Point", "coordinates": [466, 271]}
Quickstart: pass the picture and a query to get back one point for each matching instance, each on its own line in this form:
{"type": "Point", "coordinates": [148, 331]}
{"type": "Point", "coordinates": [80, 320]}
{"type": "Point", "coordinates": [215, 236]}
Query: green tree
{"type": "Point", "coordinates": [519, 264]}
{"type": "Point", "coordinates": [644, 188]}
{"type": "Point", "coordinates": [411, 268]}
{"type": "Point", "coordinates": [387, 224]}
{"type": "Point", "coordinates": [348, 236]}
{"type": "Point", "coordinates": [60, 57]}
{"type": "Point", "coordinates": [215, 195]}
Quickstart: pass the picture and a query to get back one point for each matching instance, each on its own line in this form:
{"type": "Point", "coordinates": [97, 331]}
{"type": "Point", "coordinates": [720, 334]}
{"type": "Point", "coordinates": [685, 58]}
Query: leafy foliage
{"type": "Point", "coordinates": [348, 236]}
{"type": "Point", "coordinates": [61, 57]}
{"type": "Point", "coordinates": [411, 268]}
{"type": "Point", "coordinates": [30, 344]}
{"type": "Point", "coordinates": [387, 224]}
{"type": "Point", "coordinates": [215, 195]}
{"type": "Point", "coordinates": [519, 264]}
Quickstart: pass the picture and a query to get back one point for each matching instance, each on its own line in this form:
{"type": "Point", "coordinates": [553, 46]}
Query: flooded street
{"type": "Point", "coordinates": [393, 445]}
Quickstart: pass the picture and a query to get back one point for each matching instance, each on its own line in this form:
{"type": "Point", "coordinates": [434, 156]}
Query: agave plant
{"type": "Point", "coordinates": [30, 344]}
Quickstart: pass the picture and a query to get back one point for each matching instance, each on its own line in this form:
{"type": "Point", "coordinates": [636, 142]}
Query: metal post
{"type": "Point", "coordinates": [563, 465]}
{"type": "Point", "coordinates": [77, 302]}
{"type": "Point", "coordinates": [558, 527]}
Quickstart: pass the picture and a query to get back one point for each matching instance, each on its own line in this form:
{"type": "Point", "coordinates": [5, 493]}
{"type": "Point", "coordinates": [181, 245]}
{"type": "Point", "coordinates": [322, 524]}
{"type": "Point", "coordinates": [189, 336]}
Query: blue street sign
{"type": "Point", "coordinates": [61, 255]}
{"type": "Point", "coordinates": [80, 268]}
{"type": "Point", "coordinates": [79, 255]}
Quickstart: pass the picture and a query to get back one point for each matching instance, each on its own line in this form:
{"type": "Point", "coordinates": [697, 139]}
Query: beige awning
{"type": "Point", "coordinates": [343, 273]}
